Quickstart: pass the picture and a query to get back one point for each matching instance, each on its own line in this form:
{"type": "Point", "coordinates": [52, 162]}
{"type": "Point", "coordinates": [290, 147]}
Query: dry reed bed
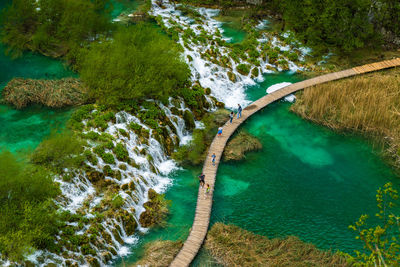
{"type": "Point", "coordinates": [51, 93]}
{"type": "Point", "coordinates": [240, 144]}
{"type": "Point", "coordinates": [159, 253]}
{"type": "Point", "coordinates": [233, 246]}
{"type": "Point", "coordinates": [369, 105]}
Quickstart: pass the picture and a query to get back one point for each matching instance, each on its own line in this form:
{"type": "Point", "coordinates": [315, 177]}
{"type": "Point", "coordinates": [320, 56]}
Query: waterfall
{"type": "Point", "coordinates": [214, 74]}
{"type": "Point", "coordinates": [79, 195]}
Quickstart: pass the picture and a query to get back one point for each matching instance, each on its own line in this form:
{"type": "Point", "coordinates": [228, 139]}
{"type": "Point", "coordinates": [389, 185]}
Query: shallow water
{"type": "Point", "coordinates": [25, 129]}
{"type": "Point", "coordinates": [230, 31]}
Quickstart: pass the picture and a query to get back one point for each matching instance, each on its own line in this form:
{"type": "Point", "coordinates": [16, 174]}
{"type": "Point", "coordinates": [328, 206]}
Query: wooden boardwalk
{"type": "Point", "coordinates": [204, 203]}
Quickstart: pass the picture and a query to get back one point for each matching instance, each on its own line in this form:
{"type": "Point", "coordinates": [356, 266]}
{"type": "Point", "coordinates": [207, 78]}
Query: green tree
{"type": "Point", "coordinates": [382, 241]}
{"type": "Point", "coordinates": [54, 27]}
{"type": "Point", "coordinates": [139, 62]}
{"type": "Point", "coordinates": [28, 216]}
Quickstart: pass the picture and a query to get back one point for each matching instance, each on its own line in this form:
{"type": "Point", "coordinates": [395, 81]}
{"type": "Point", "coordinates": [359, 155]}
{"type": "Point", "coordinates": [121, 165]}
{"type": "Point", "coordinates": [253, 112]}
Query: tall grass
{"type": "Point", "coordinates": [369, 105]}
{"type": "Point", "coordinates": [159, 253]}
{"type": "Point", "coordinates": [51, 93]}
{"type": "Point", "coordinates": [233, 246]}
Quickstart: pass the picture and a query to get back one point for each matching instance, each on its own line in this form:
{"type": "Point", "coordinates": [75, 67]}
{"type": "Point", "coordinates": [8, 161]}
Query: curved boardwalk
{"type": "Point", "coordinates": [204, 204]}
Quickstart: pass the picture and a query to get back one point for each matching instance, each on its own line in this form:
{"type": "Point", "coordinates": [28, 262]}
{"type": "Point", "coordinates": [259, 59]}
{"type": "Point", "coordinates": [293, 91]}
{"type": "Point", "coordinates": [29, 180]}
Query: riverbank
{"type": "Point", "coordinates": [367, 105]}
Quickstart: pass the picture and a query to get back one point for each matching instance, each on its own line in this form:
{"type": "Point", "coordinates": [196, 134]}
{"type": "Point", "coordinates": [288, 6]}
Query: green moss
{"type": "Point", "coordinates": [123, 132]}
{"type": "Point", "coordinates": [107, 170]}
{"type": "Point", "coordinates": [108, 158]}
{"type": "Point", "coordinates": [117, 202]}
{"type": "Point", "coordinates": [121, 152]}
{"type": "Point", "coordinates": [189, 119]}
{"type": "Point", "coordinates": [243, 69]}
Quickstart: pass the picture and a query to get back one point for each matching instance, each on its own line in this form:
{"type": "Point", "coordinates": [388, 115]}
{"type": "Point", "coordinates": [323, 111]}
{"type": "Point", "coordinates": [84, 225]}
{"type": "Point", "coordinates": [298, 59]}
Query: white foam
{"type": "Point", "coordinates": [278, 86]}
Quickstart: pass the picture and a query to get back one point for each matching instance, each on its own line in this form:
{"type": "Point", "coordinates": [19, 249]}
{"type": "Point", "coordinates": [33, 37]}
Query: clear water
{"type": "Point", "coordinates": [120, 6]}
{"type": "Point", "coordinates": [307, 181]}
{"type": "Point", "coordinates": [25, 129]}
{"type": "Point", "coordinates": [230, 31]}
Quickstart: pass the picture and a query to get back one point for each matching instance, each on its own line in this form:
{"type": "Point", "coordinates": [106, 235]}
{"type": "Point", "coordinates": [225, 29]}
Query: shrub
{"type": "Point", "coordinates": [149, 66]}
{"type": "Point", "coordinates": [108, 158]}
{"type": "Point", "coordinates": [117, 201]}
{"type": "Point", "coordinates": [59, 151]}
{"type": "Point", "coordinates": [293, 56]}
{"type": "Point", "coordinates": [121, 153]}
{"type": "Point", "coordinates": [243, 69]}
{"type": "Point", "coordinates": [28, 217]}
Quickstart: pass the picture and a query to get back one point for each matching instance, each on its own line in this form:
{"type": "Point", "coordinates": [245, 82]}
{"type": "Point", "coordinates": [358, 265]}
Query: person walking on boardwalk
{"type": "Point", "coordinates": [213, 159]}
{"type": "Point", "coordinates": [201, 179]}
{"type": "Point", "coordinates": [239, 114]}
{"type": "Point", "coordinates": [231, 116]}
{"type": "Point", "coordinates": [219, 131]}
{"type": "Point", "coordinates": [207, 191]}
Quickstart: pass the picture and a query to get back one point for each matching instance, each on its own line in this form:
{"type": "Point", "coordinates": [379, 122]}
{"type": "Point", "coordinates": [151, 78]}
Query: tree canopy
{"type": "Point", "coordinates": [28, 217]}
{"type": "Point", "coordinates": [139, 61]}
{"type": "Point", "coordinates": [53, 27]}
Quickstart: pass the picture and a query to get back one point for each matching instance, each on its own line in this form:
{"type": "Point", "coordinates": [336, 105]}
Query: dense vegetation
{"type": "Point", "coordinates": [28, 217]}
{"type": "Point", "coordinates": [195, 152]}
{"type": "Point", "coordinates": [368, 105]}
{"type": "Point", "coordinates": [342, 25]}
{"type": "Point", "coordinates": [53, 27]}
{"type": "Point", "coordinates": [139, 62]}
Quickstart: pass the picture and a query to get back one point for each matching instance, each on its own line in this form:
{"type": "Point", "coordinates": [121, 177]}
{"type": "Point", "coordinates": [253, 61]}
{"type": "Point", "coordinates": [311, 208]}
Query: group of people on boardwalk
{"type": "Point", "coordinates": [202, 183]}
{"type": "Point", "coordinates": [231, 115]}
{"type": "Point", "coordinates": [213, 156]}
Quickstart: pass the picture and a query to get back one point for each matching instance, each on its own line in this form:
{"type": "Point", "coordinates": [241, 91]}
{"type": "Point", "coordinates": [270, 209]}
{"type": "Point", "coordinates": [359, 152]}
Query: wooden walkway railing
{"type": "Point", "coordinates": [204, 203]}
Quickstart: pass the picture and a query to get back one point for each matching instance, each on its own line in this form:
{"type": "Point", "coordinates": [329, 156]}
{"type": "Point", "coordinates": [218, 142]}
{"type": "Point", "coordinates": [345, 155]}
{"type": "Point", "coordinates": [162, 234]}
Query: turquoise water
{"type": "Point", "coordinates": [230, 31]}
{"type": "Point", "coordinates": [120, 6]}
{"type": "Point", "coordinates": [307, 181]}
{"type": "Point", "coordinates": [25, 129]}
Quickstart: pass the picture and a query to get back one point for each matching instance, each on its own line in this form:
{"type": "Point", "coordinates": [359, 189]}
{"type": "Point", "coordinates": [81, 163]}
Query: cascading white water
{"type": "Point", "coordinates": [215, 76]}
{"type": "Point", "coordinates": [151, 171]}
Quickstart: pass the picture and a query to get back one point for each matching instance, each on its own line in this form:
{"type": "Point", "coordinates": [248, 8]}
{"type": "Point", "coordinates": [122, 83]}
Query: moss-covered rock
{"type": "Point", "coordinates": [254, 72]}
{"type": "Point", "coordinates": [231, 76]}
{"type": "Point", "coordinates": [95, 176]}
{"type": "Point", "coordinates": [189, 119]}
{"type": "Point", "coordinates": [156, 210]}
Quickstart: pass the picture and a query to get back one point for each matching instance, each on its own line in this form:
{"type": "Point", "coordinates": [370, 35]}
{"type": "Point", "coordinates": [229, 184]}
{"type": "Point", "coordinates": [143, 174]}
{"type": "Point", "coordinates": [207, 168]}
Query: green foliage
{"type": "Point", "coordinates": [149, 65]}
{"type": "Point", "coordinates": [59, 151]}
{"type": "Point", "coordinates": [117, 201]}
{"type": "Point", "coordinates": [121, 153]}
{"type": "Point", "coordinates": [339, 24]}
{"type": "Point", "coordinates": [194, 152]}
{"type": "Point", "coordinates": [53, 27]}
{"type": "Point", "coordinates": [243, 69]}
{"type": "Point", "coordinates": [28, 218]}
{"type": "Point", "coordinates": [189, 119]}
{"type": "Point", "coordinates": [108, 158]}
{"type": "Point", "coordinates": [382, 241]}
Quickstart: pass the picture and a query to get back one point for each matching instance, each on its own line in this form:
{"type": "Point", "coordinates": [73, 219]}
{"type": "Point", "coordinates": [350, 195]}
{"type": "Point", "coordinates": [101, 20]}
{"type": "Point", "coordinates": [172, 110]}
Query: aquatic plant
{"type": "Point", "coordinates": [231, 245]}
{"type": "Point", "coordinates": [50, 93]}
